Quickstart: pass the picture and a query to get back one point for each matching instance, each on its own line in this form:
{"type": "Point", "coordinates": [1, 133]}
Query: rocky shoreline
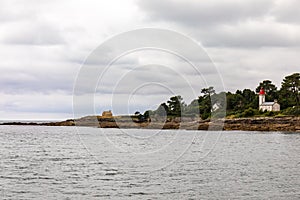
{"type": "Point", "coordinates": [283, 124]}
{"type": "Point", "coordinates": [289, 124]}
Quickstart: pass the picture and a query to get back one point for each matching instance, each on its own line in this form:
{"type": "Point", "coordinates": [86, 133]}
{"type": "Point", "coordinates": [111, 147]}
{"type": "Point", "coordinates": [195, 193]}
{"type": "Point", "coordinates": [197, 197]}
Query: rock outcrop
{"type": "Point", "coordinates": [290, 124]}
{"type": "Point", "coordinates": [284, 124]}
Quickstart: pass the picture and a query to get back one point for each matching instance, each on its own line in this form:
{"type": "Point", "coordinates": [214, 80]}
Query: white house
{"type": "Point", "coordinates": [268, 106]}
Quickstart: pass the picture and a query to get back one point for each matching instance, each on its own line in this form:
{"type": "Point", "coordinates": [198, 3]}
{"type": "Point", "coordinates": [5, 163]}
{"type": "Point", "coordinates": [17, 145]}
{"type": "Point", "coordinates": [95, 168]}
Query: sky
{"type": "Point", "coordinates": [45, 44]}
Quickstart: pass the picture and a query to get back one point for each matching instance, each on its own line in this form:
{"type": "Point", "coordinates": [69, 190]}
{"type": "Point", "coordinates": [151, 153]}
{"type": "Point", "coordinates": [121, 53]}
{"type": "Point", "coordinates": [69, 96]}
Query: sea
{"type": "Point", "coordinates": [39, 162]}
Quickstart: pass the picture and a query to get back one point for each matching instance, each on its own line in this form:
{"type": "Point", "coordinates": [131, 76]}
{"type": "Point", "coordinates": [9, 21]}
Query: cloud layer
{"type": "Point", "coordinates": [43, 44]}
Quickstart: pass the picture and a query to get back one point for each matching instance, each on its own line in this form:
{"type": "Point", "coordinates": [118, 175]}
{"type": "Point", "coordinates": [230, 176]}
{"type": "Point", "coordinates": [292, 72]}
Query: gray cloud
{"type": "Point", "coordinates": [251, 35]}
{"type": "Point", "coordinates": [9, 14]}
{"type": "Point", "coordinates": [245, 68]}
{"type": "Point", "coordinates": [42, 47]}
{"type": "Point", "coordinates": [287, 11]}
{"type": "Point", "coordinates": [242, 24]}
{"type": "Point", "coordinates": [38, 79]}
{"type": "Point", "coordinates": [36, 106]}
{"type": "Point", "coordinates": [34, 34]}
{"type": "Point", "coordinates": [190, 13]}
{"type": "Point", "coordinates": [22, 24]}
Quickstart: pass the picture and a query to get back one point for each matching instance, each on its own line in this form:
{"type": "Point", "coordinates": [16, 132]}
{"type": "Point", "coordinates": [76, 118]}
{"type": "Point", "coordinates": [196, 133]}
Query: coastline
{"type": "Point", "coordinates": [283, 124]}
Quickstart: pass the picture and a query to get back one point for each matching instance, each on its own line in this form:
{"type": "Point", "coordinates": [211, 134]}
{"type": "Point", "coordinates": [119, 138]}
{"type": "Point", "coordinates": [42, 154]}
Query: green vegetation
{"type": "Point", "coordinates": [242, 103]}
{"type": "Point", "coordinates": [289, 92]}
{"type": "Point", "coordinates": [270, 89]}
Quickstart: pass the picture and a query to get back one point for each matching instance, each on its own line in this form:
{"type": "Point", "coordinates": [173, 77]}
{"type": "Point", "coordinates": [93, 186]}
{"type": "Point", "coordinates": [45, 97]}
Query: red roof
{"type": "Point", "coordinates": [262, 92]}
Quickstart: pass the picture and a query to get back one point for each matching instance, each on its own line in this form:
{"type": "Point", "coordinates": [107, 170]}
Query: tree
{"type": "Point", "coordinates": [270, 89]}
{"type": "Point", "coordinates": [147, 114]}
{"type": "Point", "coordinates": [238, 101]}
{"type": "Point", "coordinates": [230, 101]}
{"type": "Point", "coordinates": [192, 109]}
{"type": "Point", "coordinates": [289, 92]}
{"type": "Point", "coordinates": [208, 91]}
{"type": "Point", "coordinates": [239, 92]}
{"type": "Point", "coordinates": [176, 106]}
{"type": "Point", "coordinates": [250, 98]}
{"type": "Point", "coordinates": [162, 110]}
{"type": "Point", "coordinates": [241, 100]}
{"type": "Point", "coordinates": [205, 104]}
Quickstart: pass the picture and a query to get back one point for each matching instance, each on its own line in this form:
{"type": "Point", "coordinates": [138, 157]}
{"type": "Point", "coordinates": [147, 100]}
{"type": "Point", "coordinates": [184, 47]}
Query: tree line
{"type": "Point", "coordinates": [242, 103]}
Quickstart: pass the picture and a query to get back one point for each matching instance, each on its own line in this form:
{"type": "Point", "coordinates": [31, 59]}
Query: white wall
{"type": "Point", "coordinates": [276, 107]}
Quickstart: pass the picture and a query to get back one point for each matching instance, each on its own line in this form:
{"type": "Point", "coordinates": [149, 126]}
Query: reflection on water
{"type": "Point", "coordinates": [60, 162]}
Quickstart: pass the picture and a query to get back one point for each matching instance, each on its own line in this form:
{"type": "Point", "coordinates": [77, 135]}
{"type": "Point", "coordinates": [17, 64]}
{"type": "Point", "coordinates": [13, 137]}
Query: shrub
{"type": "Point", "coordinates": [250, 112]}
{"type": "Point", "coordinates": [292, 111]}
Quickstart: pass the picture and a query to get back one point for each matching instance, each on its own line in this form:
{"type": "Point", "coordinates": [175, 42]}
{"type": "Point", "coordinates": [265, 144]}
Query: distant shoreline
{"type": "Point", "coordinates": [286, 123]}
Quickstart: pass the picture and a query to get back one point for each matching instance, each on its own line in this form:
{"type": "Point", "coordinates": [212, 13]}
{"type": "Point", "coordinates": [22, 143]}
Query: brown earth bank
{"type": "Point", "coordinates": [285, 124]}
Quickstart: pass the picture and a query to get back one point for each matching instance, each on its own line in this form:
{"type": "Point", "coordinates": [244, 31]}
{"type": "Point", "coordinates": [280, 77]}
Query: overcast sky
{"type": "Point", "coordinates": [44, 43]}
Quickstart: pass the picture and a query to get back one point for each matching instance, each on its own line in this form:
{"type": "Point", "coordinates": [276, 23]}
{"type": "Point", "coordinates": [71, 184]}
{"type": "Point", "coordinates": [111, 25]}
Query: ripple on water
{"type": "Point", "coordinates": [50, 162]}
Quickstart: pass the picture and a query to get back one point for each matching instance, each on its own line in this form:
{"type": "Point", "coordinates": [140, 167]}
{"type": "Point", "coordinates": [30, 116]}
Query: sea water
{"type": "Point", "coordinates": [90, 163]}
